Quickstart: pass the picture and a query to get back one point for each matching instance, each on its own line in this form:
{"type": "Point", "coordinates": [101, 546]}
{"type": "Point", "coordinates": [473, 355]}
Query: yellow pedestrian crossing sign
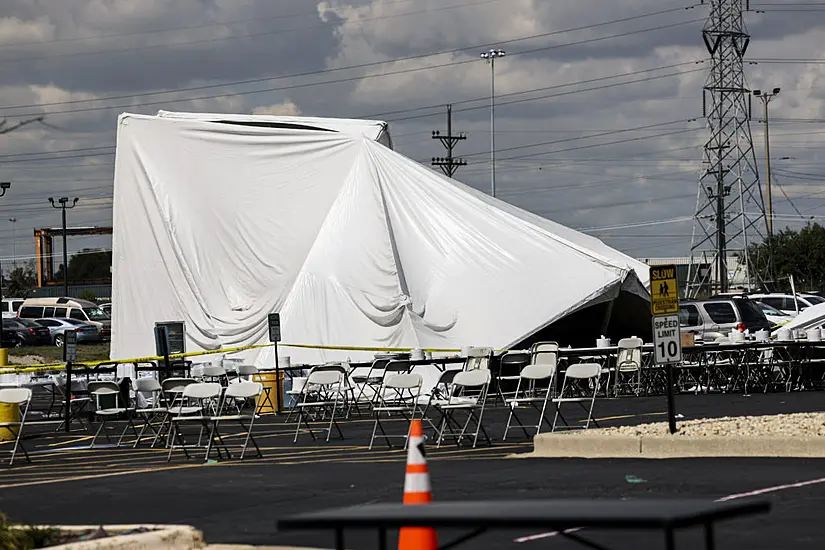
{"type": "Point", "coordinates": [664, 290]}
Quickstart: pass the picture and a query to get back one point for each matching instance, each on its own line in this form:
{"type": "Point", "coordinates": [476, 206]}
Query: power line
{"type": "Point", "coordinates": [313, 13]}
{"type": "Point", "coordinates": [110, 51]}
{"type": "Point", "coordinates": [350, 67]}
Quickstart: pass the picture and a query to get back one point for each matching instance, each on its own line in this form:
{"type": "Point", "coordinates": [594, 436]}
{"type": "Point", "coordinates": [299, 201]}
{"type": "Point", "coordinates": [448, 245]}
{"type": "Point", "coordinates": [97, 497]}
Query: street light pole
{"type": "Point", "coordinates": [14, 241]}
{"type": "Point", "coordinates": [766, 98]}
{"type": "Point", "coordinates": [63, 205]}
{"type": "Point", "coordinates": [4, 186]}
{"type": "Point", "coordinates": [491, 56]}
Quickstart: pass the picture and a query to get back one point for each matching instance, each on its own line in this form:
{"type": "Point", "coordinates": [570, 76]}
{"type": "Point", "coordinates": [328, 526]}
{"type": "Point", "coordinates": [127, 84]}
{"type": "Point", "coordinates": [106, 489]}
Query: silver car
{"type": "Point", "coordinates": [85, 331]}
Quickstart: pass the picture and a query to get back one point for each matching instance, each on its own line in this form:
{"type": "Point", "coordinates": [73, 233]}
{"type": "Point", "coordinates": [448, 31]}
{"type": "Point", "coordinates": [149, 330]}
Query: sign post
{"type": "Point", "coordinates": [170, 339]}
{"type": "Point", "coordinates": [275, 337]}
{"type": "Point", "coordinates": [69, 355]}
{"type": "Point", "coordinates": [667, 341]}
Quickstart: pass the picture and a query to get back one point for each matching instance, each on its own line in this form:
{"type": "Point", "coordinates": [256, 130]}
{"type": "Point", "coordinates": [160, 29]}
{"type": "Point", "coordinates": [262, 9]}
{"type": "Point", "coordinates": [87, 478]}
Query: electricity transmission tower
{"type": "Point", "coordinates": [730, 212]}
{"type": "Point", "coordinates": [449, 164]}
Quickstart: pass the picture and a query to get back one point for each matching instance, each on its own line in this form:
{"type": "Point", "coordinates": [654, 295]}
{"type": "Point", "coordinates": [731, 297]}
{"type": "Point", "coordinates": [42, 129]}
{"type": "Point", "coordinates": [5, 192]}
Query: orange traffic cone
{"type": "Point", "coordinates": [417, 491]}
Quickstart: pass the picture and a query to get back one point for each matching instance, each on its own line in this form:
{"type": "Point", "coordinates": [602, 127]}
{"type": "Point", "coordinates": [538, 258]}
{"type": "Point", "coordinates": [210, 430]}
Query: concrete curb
{"type": "Point", "coordinates": [171, 537]}
{"type": "Point", "coordinates": [593, 445]}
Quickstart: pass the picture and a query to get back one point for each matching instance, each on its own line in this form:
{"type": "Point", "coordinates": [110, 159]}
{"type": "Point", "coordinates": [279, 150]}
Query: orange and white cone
{"type": "Point", "coordinates": [417, 491]}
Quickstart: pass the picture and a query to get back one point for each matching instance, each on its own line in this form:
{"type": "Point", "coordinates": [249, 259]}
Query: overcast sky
{"type": "Point", "coordinates": [598, 123]}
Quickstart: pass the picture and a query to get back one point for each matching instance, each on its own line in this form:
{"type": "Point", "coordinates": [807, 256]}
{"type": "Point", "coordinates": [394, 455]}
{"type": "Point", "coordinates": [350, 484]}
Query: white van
{"type": "Point", "coordinates": [9, 306]}
{"type": "Point", "coordinates": [67, 308]}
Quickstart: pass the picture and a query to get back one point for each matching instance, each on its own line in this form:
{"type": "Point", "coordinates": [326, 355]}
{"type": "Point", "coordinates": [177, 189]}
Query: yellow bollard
{"type": "Point", "coordinates": [8, 412]}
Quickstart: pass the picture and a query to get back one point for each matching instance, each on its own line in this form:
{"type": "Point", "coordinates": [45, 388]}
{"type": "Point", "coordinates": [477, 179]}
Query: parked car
{"type": "Point", "coordinates": [57, 327]}
{"type": "Point", "coordinates": [773, 315]}
{"type": "Point", "coordinates": [710, 319]}
{"type": "Point", "coordinates": [107, 308]}
{"type": "Point", "coordinates": [9, 307]}
{"type": "Point", "coordinates": [72, 308]}
{"type": "Point", "coordinates": [27, 333]}
{"type": "Point", "coordinates": [785, 302]}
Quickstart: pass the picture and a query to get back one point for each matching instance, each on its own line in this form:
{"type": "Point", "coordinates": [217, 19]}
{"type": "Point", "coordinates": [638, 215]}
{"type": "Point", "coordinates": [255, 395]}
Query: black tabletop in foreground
{"type": "Point", "coordinates": [556, 514]}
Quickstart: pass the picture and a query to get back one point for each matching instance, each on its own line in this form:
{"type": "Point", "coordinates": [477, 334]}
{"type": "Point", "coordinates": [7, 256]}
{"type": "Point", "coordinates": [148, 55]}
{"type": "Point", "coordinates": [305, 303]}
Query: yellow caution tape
{"type": "Point", "coordinates": [19, 369]}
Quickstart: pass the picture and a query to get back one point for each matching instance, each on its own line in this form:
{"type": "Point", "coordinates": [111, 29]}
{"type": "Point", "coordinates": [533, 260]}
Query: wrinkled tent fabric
{"type": "Point", "coordinates": [219, 225]}
{"type": "Point", "coordinates": [375, 130]}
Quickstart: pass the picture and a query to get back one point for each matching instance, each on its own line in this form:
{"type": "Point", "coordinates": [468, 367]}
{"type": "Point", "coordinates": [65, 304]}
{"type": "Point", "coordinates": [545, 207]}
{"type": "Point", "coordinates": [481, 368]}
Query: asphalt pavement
{"type": "Point", "coordinates": [240, 502]}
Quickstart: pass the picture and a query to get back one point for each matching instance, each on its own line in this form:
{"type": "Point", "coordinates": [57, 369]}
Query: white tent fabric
{"type": "Point", "coordinates": [219, 225]}
{"type": "Point", "coordinates": [375, 130]}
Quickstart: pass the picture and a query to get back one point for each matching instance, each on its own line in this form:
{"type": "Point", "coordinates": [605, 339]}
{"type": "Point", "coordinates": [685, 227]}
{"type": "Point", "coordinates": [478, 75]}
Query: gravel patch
{"type": "Point", "coordinates": [795, 425]}
{"type": "Point", "coordinates": [27, 360]}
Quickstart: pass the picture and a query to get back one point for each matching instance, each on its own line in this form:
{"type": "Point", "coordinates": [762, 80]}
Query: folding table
{"type": "Point", "coordinates": [561, 515]}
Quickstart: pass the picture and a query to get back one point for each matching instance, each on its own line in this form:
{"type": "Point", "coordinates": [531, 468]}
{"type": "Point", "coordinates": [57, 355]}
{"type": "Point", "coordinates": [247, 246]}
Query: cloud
{"type": "Point", "coordinates": [287, 108]}
{"type": "Point", "coordinates": [599, 104]}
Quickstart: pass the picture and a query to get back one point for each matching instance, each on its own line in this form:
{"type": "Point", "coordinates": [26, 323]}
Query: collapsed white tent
{"type": "Point", "coordinates": [219, 224]}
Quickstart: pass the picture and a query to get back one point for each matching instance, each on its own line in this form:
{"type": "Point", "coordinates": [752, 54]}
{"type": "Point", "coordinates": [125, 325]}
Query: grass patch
{"type": "Point", "coordinates": [26, 538]}
{"type": "Point", "coordinates": [98, 351]}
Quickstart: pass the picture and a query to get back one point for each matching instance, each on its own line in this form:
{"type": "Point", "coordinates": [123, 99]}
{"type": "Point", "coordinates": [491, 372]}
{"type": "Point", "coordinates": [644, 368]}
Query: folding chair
{"type": "Point", "coordinates": [320, 396]}
{"type": "Point", "coordinates": [578, 373]}
{"type": "Point", "coordinates": [79, 402]}
{"type": "Point", "coordinates": [476, 380]}
{"type": "Point", "coordinates": [399, 394]}
{"type": "Point", "coordinates": [111, 390]}
{"type": "Point", "coordinates": [509, 370]}
{"type": "Point", "coordinates": [21, 397]}
{"type": "Point", "coordinates": [369, 381]}
{"type": "Point", "coordinates": [151, 413]}
{"type": "Point", "coordinates": [243, 391]}
{"type": "Point", "coordinates": [528, 392]}
{"type": "Point", "coordinates": [629, 365]}
{"type": "Point", "coordinates": [204, 396]}
{"type": "Point", "coordinates": [478, 358]}
{"type": "Point", "coordinates": [438, 395]}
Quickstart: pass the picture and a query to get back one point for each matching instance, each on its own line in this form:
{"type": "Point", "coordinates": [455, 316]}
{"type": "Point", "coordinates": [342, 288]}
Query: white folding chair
{"type": "Point", "coordinates": [478, 358]}
{"type": "Point", "coordinates": [199, 402]}
{"type": "Point", "coordinates": [399, 394]}
{"type": "Point", "coordinates": [529, 392]}
{"type": "Point", "coordinates": [21, 397]}
{"type": "Point", "coordinates": [476, 382]}
{"type": "Point", "coordinates": [241, 391]}
{"type": "Point", "coordinates": [322, 395]}
{"type": "Point", "coordinates": [110, 390]}
{"type": "Point", "coordinates": [156, 409]}
{"type": "Point", "coordinates": [629, 365]}
{"type": "Point", "coordinates": [579, 373]}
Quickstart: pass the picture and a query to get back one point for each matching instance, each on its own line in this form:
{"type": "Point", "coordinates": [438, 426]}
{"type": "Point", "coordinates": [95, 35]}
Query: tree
{"type": "Point", "coordinates": [800, 254]}
{"type": "Point", "coordinates": [88, 264]}
{"type": "Point", "coordinates": [22, 281]}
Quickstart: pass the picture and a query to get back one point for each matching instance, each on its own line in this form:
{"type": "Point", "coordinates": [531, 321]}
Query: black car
{"type": "Point", "coordinates": [25, 333]}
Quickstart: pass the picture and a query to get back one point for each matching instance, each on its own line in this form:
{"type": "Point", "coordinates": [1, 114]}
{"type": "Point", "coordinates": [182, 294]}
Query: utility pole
{"type": "Point", "coordinates": [491, 57]}
{"type": "Point", "coordinates": [4, 186]}
{"type": "Point", "coordinates": [449, 164]}
{"type": "Point", "coordinates": [766, 98]}
{"type": "Point", "coordinates": [63, 201]}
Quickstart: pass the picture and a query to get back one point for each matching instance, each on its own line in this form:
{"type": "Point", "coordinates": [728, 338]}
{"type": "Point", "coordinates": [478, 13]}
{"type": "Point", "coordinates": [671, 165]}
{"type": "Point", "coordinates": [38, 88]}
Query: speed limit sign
{"type": "Point", "coordinates": [667, 340]}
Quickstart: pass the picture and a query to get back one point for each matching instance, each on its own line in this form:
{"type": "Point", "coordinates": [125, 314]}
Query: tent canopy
{"type": "Point", "coordinates": [219, 225]}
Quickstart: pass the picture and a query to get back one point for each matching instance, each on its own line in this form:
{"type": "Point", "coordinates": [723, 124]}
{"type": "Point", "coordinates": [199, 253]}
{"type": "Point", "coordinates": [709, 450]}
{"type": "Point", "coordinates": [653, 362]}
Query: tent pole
{"type": "Point", "coordinates": [607, 315]}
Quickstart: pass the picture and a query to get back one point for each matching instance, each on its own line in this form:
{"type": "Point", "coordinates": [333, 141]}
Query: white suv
{"type": "Point", "coordinates": [785, 302]}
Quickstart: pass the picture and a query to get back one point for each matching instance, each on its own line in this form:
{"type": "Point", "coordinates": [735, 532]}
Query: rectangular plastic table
{"type": "Point", "coordinates": [558, 515]}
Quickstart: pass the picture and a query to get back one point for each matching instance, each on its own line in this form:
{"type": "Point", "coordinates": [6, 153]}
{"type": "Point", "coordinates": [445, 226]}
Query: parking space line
{"type": "Point", "coordinates": [98, 476]}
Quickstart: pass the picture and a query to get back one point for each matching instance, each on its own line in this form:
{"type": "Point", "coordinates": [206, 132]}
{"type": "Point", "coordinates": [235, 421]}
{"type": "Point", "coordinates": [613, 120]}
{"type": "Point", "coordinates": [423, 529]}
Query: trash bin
{"type": "Point", "coordinates": [266, 401]}
{"type": "Point", "coordinates": [9, 413]}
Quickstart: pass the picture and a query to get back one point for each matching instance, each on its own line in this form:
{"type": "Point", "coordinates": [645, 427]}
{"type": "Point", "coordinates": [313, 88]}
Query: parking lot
{"type": "Point", "coordinates": [240, 502]}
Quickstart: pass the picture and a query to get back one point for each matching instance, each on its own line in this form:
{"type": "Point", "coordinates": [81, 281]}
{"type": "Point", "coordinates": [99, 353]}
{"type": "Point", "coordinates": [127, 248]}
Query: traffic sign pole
{"type": "Point", "coordinates": [667, 338]}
